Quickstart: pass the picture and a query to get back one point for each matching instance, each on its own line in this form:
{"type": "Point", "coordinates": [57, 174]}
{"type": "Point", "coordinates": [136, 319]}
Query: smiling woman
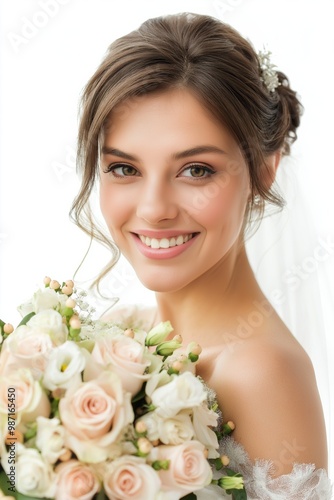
{"type": "Point", "coordinates": [184, 127]}
{"type": "Point", "coordinates": [151, 204]}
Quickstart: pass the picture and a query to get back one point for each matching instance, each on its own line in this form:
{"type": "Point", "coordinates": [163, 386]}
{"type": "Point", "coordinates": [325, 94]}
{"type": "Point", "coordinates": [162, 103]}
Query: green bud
{"type": "Point", "coordinates": [231, 482]}
{"type": "Point", "coordinates": [159, 333]}
{"type": "Point", "coordinates": [193, 357]}
{"type": "Point", "coordinates": [160, 464]}
{"type": "Point", "coordinates": [167, 348]}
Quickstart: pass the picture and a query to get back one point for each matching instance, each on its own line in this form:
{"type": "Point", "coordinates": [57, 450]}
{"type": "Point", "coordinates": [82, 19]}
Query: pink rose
{"type": "Point", "coordinates": [94, 415]}
{"type": "Point", "coordinates": [76, 481]}
{"type": "Point", "coordinates": [28, 400]}
{"type": "Point", "coordinates": [188, 468]}
{"type": "Point", "coordinates": [26, 348]}
{"type": "Point", "coordinates": [130, 478]}
{"type": "Point", "coordinates": [124, 356]}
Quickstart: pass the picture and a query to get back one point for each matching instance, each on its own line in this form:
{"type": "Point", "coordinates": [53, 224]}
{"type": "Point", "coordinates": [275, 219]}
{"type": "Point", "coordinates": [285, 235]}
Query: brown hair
{"type": "Point", "coordinates": [219, 66]}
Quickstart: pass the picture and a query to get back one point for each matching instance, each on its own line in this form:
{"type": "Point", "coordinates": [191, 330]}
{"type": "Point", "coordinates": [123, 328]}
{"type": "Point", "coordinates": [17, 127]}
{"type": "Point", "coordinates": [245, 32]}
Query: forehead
{"type": "Point", "coordinates": [173, 115]}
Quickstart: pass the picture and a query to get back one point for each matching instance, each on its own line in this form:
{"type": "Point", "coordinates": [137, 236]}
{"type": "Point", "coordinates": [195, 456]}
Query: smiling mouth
{"type": "Point", "coordinates": [164, 243]}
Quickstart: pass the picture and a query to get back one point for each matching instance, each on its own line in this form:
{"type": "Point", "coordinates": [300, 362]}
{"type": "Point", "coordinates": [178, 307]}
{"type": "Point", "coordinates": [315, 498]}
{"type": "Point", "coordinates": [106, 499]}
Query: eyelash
{"type": "Point", "coordinates": [209, 171]}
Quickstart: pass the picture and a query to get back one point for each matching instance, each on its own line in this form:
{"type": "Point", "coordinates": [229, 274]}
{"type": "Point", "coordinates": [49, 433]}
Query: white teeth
{"type": "Point", "coordinates": [165, 242]}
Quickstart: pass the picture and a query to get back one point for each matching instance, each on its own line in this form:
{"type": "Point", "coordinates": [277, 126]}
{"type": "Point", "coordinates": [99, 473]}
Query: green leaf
{"type": "Point", "coordinates": [191, 496]}
{"type": "Point", "coordinates": [239, 495]}
{"type": "Point", "coordinates": [27, 318]}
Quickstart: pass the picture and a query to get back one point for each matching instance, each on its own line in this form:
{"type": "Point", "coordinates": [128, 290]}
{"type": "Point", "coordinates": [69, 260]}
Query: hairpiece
{"type": "Point", "coordinates": [268, 72]}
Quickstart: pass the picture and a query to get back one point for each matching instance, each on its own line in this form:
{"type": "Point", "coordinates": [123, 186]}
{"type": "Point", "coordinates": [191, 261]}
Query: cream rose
{"type": "Point", "coordinates": [95, 414]}
{"type": "Point", "coordinates": [130, 478]}
{"type": "Point", "coordinates": [50, 438]}
{"type": "Point", "coordinates": [30, 400]}
{"type": "Point", "coordinates": [124, 356]}
{"type": "Point", "coordinates": [188, 468]}
{"type": "Point", "coordinates": [76, 480]}
{"type": "Point", "coordinates": [25, 348]}
{"type": "Point", "coordinates": [50, 322]}
{"type": "Point", "coordinates": [173, 430]}
{"type": "Point", "coordinates": [183, 391]}
{"type": "Point", "coordinates": [34, 477]}
{"type": "Point", "coordinates": [64, 367]}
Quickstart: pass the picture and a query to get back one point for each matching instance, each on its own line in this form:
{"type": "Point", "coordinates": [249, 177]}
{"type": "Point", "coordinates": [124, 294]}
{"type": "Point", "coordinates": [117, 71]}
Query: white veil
{"type": "Point", "coordinates": [293, 263]}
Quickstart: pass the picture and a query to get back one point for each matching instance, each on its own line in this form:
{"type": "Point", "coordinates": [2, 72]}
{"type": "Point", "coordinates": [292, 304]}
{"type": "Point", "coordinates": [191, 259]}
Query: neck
{"type": "Point", "coordinates": [213, 302]}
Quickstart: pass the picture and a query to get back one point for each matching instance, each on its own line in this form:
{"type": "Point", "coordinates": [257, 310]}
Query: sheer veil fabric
{"type": "Point", "coordinates": [293, 261]}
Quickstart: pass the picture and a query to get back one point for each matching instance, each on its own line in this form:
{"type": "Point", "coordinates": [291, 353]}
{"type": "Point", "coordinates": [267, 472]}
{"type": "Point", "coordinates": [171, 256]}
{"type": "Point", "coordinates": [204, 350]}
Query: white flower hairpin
{"type": "Point", "coordinates": [269, 74]}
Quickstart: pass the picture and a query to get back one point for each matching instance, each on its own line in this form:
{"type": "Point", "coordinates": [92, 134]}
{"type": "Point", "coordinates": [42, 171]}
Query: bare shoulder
{"type": "Point", "coordinates": [267, 386]}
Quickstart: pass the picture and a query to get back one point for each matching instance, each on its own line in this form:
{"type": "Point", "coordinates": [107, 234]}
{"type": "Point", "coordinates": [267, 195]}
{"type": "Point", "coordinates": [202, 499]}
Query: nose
{"type": "Point", "coordinates": [157, 203]}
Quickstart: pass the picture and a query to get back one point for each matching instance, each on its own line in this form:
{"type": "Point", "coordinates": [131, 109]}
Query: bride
{"type": "Point", "coordinates": [184, 127]}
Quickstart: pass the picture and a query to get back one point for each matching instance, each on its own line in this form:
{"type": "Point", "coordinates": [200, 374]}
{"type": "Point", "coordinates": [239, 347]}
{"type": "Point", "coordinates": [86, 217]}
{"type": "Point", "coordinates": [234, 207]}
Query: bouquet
{"type": "Point", "coordinates": [89, 410]}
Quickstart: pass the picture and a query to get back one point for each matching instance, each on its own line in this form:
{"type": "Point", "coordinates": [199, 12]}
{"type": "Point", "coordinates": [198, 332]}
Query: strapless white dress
{"type": "Point", "coordinates": [305, 482]}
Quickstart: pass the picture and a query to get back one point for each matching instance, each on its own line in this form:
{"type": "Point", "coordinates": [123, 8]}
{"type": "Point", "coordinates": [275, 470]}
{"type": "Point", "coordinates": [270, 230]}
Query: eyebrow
{"type": "Point", "coordinates": [176, 156]}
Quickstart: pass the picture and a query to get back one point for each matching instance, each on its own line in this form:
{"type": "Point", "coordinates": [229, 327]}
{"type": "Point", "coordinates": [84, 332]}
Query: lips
{"type": "Point", "coordinates": [159, 245]}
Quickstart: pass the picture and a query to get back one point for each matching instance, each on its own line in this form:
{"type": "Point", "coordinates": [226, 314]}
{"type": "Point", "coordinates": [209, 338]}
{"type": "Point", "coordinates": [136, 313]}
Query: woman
{"type": "Point", "coordinates": [185, 125]}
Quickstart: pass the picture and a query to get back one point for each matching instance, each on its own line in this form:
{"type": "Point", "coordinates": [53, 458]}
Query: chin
{"type": "Point", "coordinates": [161, 283]}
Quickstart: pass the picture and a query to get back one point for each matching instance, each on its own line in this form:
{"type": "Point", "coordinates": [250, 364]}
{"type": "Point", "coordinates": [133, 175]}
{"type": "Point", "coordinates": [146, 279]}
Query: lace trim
{"type": "Point", "coordinates": [303, 483]}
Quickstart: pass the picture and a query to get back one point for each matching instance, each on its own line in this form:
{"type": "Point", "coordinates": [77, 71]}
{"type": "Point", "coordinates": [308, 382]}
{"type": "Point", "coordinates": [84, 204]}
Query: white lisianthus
{"type": "Point", "coordinates": [64, 367]}
{"type": "Point", "coordinates": [47, 299]}
{"type": "Point", "coordinates": [203, 419]}
{"type": "Point", "coordinates": [157, 380]}
{"type": "Point", "coordinates": [50, 322]}
{"type": "Point", "coordinates": [34, 476]}
{"type": "Point", "coordinates": [50, 438]}
{"type": "Point", "coordinates": [183, 391]}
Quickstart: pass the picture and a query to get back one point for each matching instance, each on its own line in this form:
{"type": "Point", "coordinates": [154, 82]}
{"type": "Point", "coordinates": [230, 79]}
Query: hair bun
{"type": "Point", "coordinates": [290, 111]}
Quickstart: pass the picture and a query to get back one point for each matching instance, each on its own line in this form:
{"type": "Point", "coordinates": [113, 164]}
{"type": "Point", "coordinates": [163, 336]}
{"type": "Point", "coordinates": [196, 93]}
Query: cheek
{"type": "Point", "coordinates": [220, 205]}
{"type": "Point", "coordinates": [113, 206]}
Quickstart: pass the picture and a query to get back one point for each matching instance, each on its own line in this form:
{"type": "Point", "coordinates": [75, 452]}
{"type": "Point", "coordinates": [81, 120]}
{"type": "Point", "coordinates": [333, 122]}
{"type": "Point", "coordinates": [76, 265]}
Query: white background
{"type": "Point", "coordinates": [48, 54]}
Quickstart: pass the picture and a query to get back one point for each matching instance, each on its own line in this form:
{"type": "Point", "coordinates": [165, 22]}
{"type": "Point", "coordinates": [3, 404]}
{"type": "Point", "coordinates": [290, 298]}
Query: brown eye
{"type": "Point", "coordinates": [127, 170]}
{"type": "Point", "coordinates": [122, 170]}
{"type": "Point", "coordinates": [197, 172]}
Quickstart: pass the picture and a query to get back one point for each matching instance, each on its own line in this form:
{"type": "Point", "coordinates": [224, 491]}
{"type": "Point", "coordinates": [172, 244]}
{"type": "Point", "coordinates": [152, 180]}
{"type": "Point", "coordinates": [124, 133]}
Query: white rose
{"type": "Point", "coordinates": [50, 322]}
{"type": "Point", "coordinates": [130, 477]}
{"type": "Point", "coordinates": [29, 398]}
{"type": "Point", "coordinates": [175, 430]}
{"type": "Point", "coordinates": [50, 438]}
{"type": "Point", "coordinates": [183, 391]}
{"type": "Point", "coordinates": [64, 366]}
{"type": "Point", "coordinates": [34, 476]}
{"type": "Point", "coordinates": [203, 419]}
{"type": "Point", "coordinates": [25, 348]}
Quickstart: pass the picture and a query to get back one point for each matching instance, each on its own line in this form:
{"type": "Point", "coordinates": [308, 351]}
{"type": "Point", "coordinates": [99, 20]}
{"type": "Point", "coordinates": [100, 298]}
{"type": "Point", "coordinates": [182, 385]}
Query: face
{"type": "Point", "coordinates": [173, 189]}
